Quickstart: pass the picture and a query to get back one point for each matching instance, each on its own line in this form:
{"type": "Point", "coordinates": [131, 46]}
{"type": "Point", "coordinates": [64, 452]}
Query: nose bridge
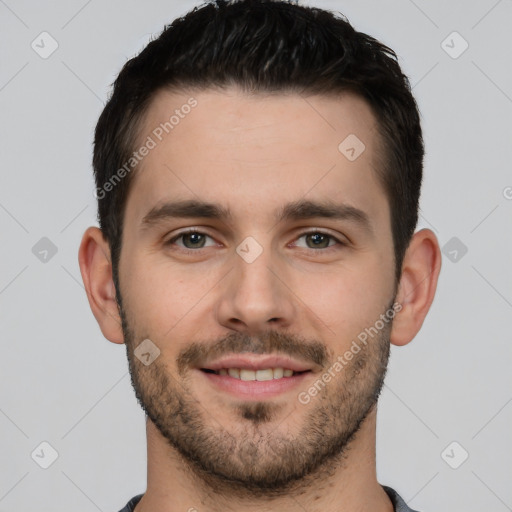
{"type": "Point", "coordinates": [255, 295]}
{"type": "Point", "coordinates": [253, 270]}
{"type": "Point", "coordinates": [256, 283]}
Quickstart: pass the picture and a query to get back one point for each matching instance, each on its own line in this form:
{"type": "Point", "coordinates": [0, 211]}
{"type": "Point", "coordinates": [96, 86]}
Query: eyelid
{"type": "Point", "coordinates": [322, 231]}
{"type": "Point", "coordinates": [339, 241]}
{"type": "Point", "coordinates": [187, 231]}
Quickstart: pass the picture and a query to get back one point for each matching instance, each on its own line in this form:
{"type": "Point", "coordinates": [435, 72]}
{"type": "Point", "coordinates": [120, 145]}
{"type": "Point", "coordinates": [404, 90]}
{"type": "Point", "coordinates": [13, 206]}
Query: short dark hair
{"type": "Point", "coordinates": [264, 46]}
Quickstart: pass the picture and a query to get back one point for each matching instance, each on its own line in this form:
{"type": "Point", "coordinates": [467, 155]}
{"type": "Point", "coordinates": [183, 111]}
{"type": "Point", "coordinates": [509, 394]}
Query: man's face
{"type": "Point", "coordinates": [257, 283]}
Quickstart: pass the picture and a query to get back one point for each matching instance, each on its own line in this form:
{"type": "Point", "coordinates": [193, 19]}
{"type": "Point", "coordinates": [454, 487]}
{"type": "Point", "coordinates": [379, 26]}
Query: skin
{"type": "Point", "coordinates": [253, 154]}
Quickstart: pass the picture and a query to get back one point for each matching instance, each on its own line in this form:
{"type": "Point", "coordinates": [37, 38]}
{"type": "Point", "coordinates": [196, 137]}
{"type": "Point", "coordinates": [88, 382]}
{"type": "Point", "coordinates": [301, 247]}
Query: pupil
{"type": "Point", "coordinates": [195, 239]}
{"type": "Point", "coordinates": [318, 239]}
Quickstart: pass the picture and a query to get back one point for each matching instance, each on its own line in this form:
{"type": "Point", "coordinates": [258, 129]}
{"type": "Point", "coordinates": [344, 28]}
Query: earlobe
{"type": "Point", "coordinates": [96, 270]}
{"type": "Point", "coordinates": [418, 283]}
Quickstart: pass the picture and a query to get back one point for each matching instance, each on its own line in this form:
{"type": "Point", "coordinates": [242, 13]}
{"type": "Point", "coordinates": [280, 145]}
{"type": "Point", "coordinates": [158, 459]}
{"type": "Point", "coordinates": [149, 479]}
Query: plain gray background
{"type": "Point", "coordinates": [62, 383]}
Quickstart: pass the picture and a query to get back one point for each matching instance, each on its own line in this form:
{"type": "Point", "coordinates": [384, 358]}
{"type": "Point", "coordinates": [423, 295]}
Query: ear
{"type": "Point", "coordinates": [417, 287]}
{"type": "Point", "coordinates": [96, 269]}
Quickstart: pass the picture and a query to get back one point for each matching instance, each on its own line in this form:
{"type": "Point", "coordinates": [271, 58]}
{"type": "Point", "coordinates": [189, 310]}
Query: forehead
{"type": "Point", "coordinates": [258, 151]}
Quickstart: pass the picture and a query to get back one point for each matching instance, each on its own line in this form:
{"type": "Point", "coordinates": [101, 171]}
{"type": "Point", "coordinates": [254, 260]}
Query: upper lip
{"type": "Point", "coordinates": [256, 362]}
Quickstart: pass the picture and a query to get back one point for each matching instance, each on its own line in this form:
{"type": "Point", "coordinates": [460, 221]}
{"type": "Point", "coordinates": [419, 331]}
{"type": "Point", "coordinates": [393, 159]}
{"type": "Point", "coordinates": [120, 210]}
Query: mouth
{"type": "Point", "coordinates": [247, 374]}
{"type": "Point", "coordinates": [251, 377]}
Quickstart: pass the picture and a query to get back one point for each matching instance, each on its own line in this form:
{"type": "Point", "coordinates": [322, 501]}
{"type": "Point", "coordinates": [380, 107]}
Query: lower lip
{"type": "Point", "coordinates": [254, 389]}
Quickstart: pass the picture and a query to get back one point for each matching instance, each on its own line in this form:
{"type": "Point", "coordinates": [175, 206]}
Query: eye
{"type": "Point", "coordinates": [315, 240]}
{"type": "Point", "coordinates": [191, 239]}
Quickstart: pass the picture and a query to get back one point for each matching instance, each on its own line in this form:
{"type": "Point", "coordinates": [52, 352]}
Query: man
{"type": "Point", "coordinates": [258, 171]}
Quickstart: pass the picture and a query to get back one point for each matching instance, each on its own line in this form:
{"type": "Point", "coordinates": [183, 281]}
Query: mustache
{"type": "Point", "coordinates": [268, 342]}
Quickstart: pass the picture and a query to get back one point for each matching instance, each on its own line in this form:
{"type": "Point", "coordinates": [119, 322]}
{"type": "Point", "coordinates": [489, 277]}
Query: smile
{"type": "Point", "coordinates": [247, 384]}
{"type": "Point", "coordinates": [247, 374]}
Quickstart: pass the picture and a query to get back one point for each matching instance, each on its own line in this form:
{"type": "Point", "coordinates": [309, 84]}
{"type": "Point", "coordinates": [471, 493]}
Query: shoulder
{"type": "Point", "coordinates": [130, 506]}
{"type": "Point", "coordinates": [396, 499]}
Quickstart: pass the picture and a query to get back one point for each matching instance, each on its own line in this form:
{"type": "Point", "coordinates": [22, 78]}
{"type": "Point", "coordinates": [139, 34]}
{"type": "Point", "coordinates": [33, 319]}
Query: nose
{"type": "Point", "coordinates": [256, 296]}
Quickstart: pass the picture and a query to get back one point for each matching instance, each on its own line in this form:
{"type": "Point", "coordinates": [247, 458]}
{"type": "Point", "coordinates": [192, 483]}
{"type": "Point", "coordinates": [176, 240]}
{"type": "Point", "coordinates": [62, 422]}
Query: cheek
{"type": "Point", "coordinates": [162, 297]}
{"type": "Point", "coordinates": [346, 301]}
{"type": "Point", "coordinates": [147, 292]}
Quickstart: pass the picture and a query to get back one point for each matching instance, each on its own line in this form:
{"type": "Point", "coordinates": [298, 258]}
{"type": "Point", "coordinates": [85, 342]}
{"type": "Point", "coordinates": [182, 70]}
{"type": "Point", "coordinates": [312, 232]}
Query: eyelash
{"type": "Point", "coordinates": [311, 232]}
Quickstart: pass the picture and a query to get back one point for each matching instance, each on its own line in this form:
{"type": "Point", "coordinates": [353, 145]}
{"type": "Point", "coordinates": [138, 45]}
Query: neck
{"type": "Point", "coordinates": [348, 485]}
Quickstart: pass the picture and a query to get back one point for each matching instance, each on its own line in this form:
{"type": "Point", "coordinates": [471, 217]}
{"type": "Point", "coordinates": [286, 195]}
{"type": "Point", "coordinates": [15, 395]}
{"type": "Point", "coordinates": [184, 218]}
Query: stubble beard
{"type": "Point", "coordinates": [252, 457]}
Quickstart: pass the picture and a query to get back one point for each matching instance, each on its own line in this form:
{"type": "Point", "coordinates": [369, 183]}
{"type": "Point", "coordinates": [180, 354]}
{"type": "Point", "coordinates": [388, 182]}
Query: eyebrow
{"type": "Point", "coordinates": [297, 210]}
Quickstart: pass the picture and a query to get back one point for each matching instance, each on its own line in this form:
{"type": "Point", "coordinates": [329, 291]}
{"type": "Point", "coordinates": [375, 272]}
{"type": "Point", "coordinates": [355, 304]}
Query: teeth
{"type": "Point", "coordinates": [265, 374]}
{"type": "Point", "coordinates": [247, 375]}
{"type": "Point", "coordinates": [234, 372]}
{"type": "Point", "coordinates": [259, 375]}
{"type": "Point", "coordinates": [278, 373]}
